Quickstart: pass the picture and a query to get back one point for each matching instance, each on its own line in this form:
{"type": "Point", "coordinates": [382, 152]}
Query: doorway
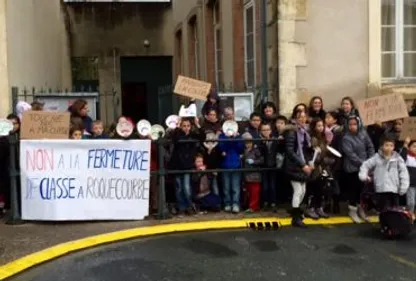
{"type": "Point", "coordinates": [134, 100]}
{"type": "Point", "coordinates": [144, 81]}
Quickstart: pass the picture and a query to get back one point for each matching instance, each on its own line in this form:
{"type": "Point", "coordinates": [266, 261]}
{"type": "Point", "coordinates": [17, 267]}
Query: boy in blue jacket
{"type": "Point", "coordinates": [231, 181]}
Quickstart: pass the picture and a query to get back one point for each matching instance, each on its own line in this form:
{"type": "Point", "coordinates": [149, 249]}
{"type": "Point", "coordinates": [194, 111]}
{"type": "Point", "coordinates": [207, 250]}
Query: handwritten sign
{"type": "Point", "coordinates": [192, 88]}
{"type": "Point", "coordinates": [382, 108]}
{"type": "Point", "coordinates": [85, 179]}
{"type": "Point", "coordinates": [408, 128]}
{"type": "Point", "coordinates": [45, 125]}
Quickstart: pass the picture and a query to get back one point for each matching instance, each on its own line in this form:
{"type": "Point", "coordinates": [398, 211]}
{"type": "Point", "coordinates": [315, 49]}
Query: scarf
{"type": "Point", "coordinates": [302, 135]}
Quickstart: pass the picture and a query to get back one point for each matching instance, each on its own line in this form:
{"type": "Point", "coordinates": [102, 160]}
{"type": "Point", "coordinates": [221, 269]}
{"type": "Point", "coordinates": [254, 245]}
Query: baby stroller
{"type": "Point", "coordinates": [395, 221]}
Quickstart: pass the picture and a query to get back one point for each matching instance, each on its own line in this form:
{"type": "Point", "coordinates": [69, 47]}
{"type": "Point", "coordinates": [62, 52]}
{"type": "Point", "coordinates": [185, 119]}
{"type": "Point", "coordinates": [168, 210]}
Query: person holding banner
{"type": "Point", "coordinates": [80, 109]}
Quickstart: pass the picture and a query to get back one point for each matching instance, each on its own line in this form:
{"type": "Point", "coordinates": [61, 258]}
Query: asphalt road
{"type": "Point", "coordinates": [334, 253]}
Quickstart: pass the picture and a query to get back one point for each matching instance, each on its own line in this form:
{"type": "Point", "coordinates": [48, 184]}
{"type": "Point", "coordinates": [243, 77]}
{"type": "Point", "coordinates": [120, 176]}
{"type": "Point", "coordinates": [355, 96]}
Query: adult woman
{"type": "Point", "coordinates": [357, 147]}
{"type": "Point", "coordinates": [298, 154]}
{"type": "Point", "coordinates": [80, 109]}
{"type": "Point", "coordinates": [316, 108]}
{"type": "Point", "coordinates": [268, 111]}
{"type": "Point", "coordinates": [299, 107]}
{"type": "Point", "coordinates": [348, 109]}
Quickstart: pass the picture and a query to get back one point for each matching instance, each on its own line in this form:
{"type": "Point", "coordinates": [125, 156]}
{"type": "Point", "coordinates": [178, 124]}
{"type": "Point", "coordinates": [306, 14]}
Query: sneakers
{"type": "Point", "coordinates": [353, 213]}
{"type": "Point", "coordinates": [297, 222]}
{"type": "Point", "coordinates": [227, 209]}
{"type": "Point", "coordinates": [310, 213]}
{"type": "Point", "coordinates": [235, 209]}
{"type": "Point", "coordinates": [321, 213]}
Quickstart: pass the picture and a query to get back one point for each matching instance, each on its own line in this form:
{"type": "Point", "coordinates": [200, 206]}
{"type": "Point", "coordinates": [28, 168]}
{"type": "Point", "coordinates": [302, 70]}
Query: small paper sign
{"type": "Point", "coordinates": [45, 125]}
{"type": "Point", "coordinates": [192, 88]}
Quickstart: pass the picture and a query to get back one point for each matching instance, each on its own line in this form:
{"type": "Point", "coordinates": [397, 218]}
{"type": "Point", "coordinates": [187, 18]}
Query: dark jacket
{"type": "Point", "coordinates": [343, 118]}
{"type": "Point", "coordinates": [268, 149]}
{"type": "Point", "coordinates": [411, 168]}
{"type": "Point", "coordinates": [213, 159]}
{"type": "Point", "coordinates": [209, 126]}
{"type": "Point", "coordinates": [258, 159]}
{"type": "Point", "coordinates": [184, 152]}
{"type": "Point", "coordinates": [294, 163]}
{"type": "Point", "coordinates": [255, 133]}
{"type": "Point", "coordinates": [320, 114]}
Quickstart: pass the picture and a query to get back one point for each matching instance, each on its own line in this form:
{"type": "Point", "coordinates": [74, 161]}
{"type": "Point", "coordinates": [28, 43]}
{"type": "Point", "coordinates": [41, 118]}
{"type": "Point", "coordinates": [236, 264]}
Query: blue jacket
{"type": "Point", "coordinates": [232, 151]}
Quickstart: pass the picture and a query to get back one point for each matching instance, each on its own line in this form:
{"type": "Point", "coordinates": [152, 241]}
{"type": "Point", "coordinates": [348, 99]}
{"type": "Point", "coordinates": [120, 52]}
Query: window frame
{"type": "Point", "coordinates": [247, 6]}
{"type": "Point", "coordinates": [217, 29]}
{"type": "Point", "coordinates": [399, 51]}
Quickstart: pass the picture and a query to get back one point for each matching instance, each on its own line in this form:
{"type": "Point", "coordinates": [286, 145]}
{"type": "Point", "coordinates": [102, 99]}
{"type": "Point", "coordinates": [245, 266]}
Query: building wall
{"type": "Point", "coordinates": [109, 31]}
{"type": "Point", "coordinates": [337, 50]}
{"type": "Point", "coordinates": [37, 47]}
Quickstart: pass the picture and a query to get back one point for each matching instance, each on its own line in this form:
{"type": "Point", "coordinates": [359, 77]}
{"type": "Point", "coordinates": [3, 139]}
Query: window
{"type": "Point", "coordinates": [398, 39]}
{"type": "Point", "coordinates": [196, 48]}
{"type": "Point", "coordinates": [178, 47]}
{"type": "Point", "coordinates": [249, 45]}
{"type": "Point", "coordinates": [217, 44]}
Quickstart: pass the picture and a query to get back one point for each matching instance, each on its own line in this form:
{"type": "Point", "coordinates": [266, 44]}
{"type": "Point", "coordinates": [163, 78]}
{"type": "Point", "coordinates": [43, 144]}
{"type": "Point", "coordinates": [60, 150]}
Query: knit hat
{"type": "Point", "coordinates": [247, 136]}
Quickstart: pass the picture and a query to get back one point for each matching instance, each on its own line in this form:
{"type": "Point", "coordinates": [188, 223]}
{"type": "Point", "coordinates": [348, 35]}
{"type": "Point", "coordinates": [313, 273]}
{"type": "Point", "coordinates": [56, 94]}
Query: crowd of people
{"type": "Point", "coordinates": [289, 159]}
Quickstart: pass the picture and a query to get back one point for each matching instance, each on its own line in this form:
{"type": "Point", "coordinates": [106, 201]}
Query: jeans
{"type": "Point", "coordinates": [214, 186]}
{"type": "Point", "coordinates": [411, 198]}
{"type": "Point", "coordinates": [183, 191]}
{"type": "Point", "coordinates": [269, 187]}
{"type": "Point", "coordinates": [231, 182]}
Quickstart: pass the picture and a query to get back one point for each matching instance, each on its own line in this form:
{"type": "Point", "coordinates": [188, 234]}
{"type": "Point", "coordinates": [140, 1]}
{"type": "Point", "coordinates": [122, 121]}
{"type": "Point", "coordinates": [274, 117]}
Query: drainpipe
{"type": "Point", "coordinates": [264, 67]}
{"type": "Point", "coordinates": [276, 59]}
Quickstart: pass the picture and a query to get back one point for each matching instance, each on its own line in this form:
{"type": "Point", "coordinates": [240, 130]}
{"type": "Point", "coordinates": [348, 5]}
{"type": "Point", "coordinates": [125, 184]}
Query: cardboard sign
{"type": "Point", "coordinates": [408, 128]}
{"type": "Point", "coordinates": [45, 125]}
{"type": "Point", "coordinates": [192, 88]}
{"type": "Point", "coordinates": [382, 108]}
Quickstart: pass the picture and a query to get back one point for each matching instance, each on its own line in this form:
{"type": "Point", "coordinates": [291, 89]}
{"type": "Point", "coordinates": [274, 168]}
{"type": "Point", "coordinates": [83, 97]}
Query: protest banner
{"type": "Point", "coordinates": [85, 179]}
{"type": "Point", "coordinates": [45, 125]}
{"type": "Point", "coordinates": [382, 108]}
{"type": "Point", "coordinates": [408, 128]}
{"type": "Point", "coordinates": [192, 88]}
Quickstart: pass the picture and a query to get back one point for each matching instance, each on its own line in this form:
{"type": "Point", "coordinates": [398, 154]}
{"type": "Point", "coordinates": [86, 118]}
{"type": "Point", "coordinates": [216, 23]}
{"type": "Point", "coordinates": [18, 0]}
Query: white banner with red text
{"type": "Point", "coordinates": [64, 180]}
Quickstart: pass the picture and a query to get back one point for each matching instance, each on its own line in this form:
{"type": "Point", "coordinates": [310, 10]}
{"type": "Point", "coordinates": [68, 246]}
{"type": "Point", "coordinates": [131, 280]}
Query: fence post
{"type": "Point", "coordinates": [14, 217]}
{"type": "Point", "coordinates": [15, 98]}
{"type": "Point", "coordinates": [162, 211]}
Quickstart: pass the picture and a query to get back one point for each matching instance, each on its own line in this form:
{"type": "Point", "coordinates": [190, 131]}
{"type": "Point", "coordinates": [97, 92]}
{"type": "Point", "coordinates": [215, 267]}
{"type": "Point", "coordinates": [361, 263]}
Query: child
{"type": "Point", "coordinates": [409, 156]}
{"type": "Point", "coordinates": [254, 126]}
{"type": "Point", "coordinates": [204, 197]}
{"type": "Point", "coordinates": [317, 183]}
{"type": "Point", "coordinates": [231, 181]}
{"type": "Point", "coordinates": [283, 193]}
{"type": "Point", "coordinates": [75, 133]}
{"type": "Point", "coordinates": [252, 158]}
{"type": "Point", "coordinates": [390, 175]}
{"type": "Point", "coordinates": [183, 159]}
{"type": "Point", "coordinates": [268, 149]}
{"type": "Point", "coordinates": [98, 130]}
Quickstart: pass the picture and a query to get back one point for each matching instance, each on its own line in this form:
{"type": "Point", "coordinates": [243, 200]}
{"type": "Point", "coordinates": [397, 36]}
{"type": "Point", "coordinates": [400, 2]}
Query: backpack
{"type": "Point", "coordinates": [396, 222]}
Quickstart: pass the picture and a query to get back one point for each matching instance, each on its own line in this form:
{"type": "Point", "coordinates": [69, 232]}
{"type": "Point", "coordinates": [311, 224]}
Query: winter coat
{"type": "Point", "coordinates": [268, 149]}
{"type": "Point", "coordinates": [320, 114]}
{"type": "Point", "coordinates": [255, 133]}
{"type": "Point", "coordinates": [213, 159]}
{"type": "Point", "coordinates": [183, 153]}
{"type": "Point", "coordinates": [389, 175]}
{"type": "Point", "coordinates": [411, 166]}
{"type": "Point", "coordinates": [293, 163]}
{"type": "Point", "coordinates": [356, 149]}
{"type": "Point", "coordinates": [375, 132]}
{"type": "Point", "coordinates": [232, 151]}
{"type": "Point", "coordinates": [258, 159]}
{"type": "Point", "coordinates": [212, 127]}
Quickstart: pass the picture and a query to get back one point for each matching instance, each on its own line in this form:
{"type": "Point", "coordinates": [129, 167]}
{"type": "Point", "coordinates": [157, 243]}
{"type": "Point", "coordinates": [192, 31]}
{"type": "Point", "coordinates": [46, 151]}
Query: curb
{"type": "Point", "coordinates": [267, 223]}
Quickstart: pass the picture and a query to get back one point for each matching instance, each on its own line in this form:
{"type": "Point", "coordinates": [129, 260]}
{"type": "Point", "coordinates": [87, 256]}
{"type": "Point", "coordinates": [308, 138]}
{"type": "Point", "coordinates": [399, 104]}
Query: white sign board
{"type": "Point", "coordinates": [85, 179]}
{"type": "Point", "coordinates": [60, 103]}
